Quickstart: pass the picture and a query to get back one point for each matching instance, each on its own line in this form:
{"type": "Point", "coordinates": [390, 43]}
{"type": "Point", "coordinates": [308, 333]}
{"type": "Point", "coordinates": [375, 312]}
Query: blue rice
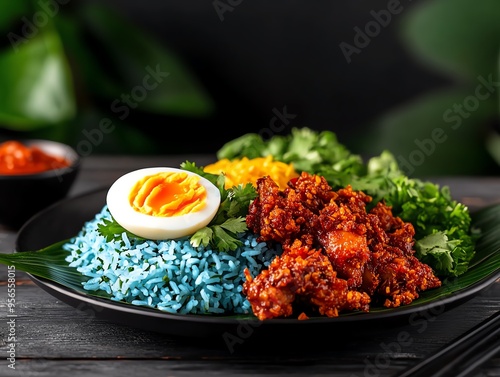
{"type": "Point", "coordinates": [168, 275]}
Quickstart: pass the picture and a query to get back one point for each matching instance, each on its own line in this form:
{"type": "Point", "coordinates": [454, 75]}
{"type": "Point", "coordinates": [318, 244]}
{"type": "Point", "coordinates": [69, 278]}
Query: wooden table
{"type": "Point", "coordinates": [55, 339]}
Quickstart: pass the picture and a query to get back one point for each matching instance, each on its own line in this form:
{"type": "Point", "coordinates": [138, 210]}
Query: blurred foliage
{"type": "Point", "coordinates": [453, 130]}
{"type": "Point", "coordinates": [75, 71]}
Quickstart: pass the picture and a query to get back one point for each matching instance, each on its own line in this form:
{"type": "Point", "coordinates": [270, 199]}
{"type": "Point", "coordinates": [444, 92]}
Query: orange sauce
{"type": "Point", "coordinates": [17, 158]}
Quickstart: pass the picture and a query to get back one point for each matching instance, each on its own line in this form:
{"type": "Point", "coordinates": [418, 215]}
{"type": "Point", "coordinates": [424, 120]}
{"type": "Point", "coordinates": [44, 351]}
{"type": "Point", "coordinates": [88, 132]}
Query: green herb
{"type": "Point", "coordinates": [230, 220]}
{"type": "Point", "coordinates": [306, 149]}
{"type": "Point", "coordinates": [111, 230]}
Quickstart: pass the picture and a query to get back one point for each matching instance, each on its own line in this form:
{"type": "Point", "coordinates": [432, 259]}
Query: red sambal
{"type": "Point", "coordinates": [17, 158]}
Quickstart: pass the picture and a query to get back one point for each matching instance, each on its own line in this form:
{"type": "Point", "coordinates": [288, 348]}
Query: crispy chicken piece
{"type": "Point", "coordinates": [402, 276]}
{"type": "Point", "coordinates": [301, 275]}
{"type": "Point", "coordinates": [270, 215]}
{"type": "Point", "coordinates": [283, 216]}
{"type": "Point", "coordinates": [343, 235]}
{"type": "Point", "coordinates": [399, 233]}
{"type": "Point", "coordinates": [348, 252]}
{"type": "Point", "coordinates": [331, 241]}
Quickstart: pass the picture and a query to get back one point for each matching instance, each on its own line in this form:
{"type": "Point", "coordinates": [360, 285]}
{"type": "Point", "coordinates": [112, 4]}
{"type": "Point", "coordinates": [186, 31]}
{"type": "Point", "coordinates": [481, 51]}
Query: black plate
{"type": "Point", "coordinates": [64, 219]}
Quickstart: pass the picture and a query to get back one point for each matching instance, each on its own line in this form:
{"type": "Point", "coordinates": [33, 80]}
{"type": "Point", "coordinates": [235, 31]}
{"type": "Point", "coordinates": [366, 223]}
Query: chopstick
{"type": "Point", "coordinates": [464, 354]}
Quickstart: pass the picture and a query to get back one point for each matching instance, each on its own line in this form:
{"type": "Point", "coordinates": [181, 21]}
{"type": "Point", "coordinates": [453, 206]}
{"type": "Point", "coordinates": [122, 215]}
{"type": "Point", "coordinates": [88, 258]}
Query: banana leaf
{"type": "Point", "coordinates": [37, 88]}
{"type": "Point", "coordinates": [49, 263]}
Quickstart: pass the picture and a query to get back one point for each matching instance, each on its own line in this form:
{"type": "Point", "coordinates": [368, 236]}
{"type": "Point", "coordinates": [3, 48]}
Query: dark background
{"type": "Point", "coordinates": [266, 55]}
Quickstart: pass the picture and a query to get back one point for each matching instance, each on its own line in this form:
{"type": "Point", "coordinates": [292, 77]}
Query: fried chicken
{"type": "Point", "coordinates": [337, 256]}
{"type": "Point", "coordinates": [342, 235]}
{"type": "Point", "coordinates": [304, 275]}
{"type": "Point", "coordinates": [401, 275]}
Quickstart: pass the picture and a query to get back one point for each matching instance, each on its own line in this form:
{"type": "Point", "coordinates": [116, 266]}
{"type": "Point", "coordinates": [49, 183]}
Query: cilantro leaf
{"type": "Point", "coordinates": [202, 237]}
{"type": "Point", "coordinates": [239, 199]}
{"type": "Point", "coordinates": [229, 221]}
{"type": "Point", "coordinates": [225, 241]}
{"type": "Point", "coordinates": [111, 230]}
{"type": "Point", "coordinates": [250, 145]}
{"type": "Point", "coordinates": [235, 225]}
{"type": "Point", "coordinates": [306, 149]}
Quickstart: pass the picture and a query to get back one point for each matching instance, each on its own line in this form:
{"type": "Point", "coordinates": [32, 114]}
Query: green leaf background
{"type": "Point", "coordinates": [61, 77]}
{"type": "Point", "coordinates": [459, 40]}
{"type": "Point", "coordinates": [457, 37]}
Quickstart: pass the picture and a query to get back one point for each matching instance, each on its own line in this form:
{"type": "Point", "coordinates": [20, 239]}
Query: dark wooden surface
{"type": "Point", "coordinates": [55, 339]}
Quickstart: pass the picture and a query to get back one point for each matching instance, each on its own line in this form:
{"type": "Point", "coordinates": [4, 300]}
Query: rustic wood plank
{"type": "Point", "coordinates": [123, 367]}
{"type": "Point", "coordinates": [188, 368]}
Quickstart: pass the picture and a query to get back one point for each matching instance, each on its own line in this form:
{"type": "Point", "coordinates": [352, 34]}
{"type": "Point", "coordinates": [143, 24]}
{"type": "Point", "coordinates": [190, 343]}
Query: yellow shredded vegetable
{"type": "Point", "coordinates": [245, 170]}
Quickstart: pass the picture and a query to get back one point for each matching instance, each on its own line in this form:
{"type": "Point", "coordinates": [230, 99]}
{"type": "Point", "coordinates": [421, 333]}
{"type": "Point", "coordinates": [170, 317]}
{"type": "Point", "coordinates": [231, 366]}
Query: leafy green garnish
{"type": "Point", "coordinates": [110, 229]}
{"type": "Point", "coordinates": [230, 219]}
{"type": "Point", "coordinates": [306, 149]}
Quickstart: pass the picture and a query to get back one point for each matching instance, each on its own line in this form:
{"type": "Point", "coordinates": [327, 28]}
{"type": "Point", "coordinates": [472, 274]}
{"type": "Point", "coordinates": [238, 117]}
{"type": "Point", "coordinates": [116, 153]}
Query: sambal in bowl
{"type": "Point", "coordinates": [34, 174]}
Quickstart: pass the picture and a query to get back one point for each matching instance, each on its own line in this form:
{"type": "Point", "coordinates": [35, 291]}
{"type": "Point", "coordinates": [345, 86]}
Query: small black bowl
{"type": "Point", "coordinates": [24, 195]}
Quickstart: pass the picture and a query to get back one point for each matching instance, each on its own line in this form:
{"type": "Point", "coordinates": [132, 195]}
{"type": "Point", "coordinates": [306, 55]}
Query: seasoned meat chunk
{"type": "Point", "coordinates": [337, 256]}
{"type": "Point", "coordinates": [302, 275]}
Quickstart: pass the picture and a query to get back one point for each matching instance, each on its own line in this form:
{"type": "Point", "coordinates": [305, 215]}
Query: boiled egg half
{"type": "Point", "coordinates": [163, 203]}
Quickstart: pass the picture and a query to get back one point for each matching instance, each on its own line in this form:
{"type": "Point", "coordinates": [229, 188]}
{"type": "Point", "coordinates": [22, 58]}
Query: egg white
{"type": "Point", "coordinates": [157, 227]}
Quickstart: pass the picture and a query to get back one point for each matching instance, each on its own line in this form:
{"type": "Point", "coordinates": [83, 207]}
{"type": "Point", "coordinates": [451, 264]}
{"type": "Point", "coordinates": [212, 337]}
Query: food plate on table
{"type": "Point", "coordinates": [64, 219]}
{"type": "Point", "coordinates": [304, 239]}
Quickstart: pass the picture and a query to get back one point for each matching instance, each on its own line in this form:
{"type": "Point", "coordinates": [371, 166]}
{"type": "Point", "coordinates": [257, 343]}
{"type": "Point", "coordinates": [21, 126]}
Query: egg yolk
{"type": "Point", "coordinates": [168, 194]}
